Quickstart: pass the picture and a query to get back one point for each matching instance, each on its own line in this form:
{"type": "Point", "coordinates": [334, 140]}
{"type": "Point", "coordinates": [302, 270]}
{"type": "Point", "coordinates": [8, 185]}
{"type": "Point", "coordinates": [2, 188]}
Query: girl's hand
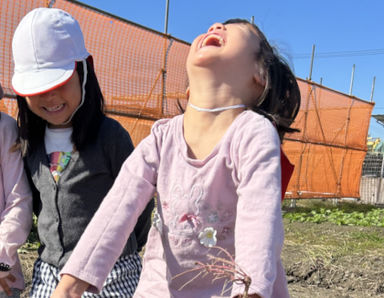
{"type": "Point", "coordinates": [4, 283]}
{"type": "Point", "coordinates": [70, 287]}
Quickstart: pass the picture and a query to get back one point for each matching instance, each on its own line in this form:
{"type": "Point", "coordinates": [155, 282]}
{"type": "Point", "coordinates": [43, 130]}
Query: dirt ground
{"type": "Point", "coordinates": [27, 258]}
{"type": "Point", "coordinates": [318, 262]}
{"type": "Point", "coordinates": [326, 260]}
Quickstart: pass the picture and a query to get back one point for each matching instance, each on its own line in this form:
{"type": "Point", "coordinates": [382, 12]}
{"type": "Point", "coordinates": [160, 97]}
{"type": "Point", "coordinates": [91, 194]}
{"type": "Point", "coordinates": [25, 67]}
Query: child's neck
{"type": "Point", "coordinates": [203, 130]}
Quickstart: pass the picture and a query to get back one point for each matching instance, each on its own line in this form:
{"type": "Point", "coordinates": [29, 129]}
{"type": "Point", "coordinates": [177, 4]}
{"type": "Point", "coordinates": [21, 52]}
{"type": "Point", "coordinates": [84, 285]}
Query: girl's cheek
{"type": "Point", "coordinates": [34, 108]}
{"type": "Point", "coordinates": [31, 101]}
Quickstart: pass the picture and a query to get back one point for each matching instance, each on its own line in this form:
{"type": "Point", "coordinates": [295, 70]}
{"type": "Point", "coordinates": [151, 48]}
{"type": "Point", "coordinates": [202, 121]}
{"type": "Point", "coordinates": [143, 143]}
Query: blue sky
{"type": "Point", "coordinates": [344, 32]}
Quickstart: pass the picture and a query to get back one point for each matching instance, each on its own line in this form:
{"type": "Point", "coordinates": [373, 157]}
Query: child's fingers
{"type": "Point", "coordinates": [4, 285]}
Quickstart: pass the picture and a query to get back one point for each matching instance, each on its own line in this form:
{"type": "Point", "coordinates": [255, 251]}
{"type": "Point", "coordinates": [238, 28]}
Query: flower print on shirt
{"type": "Point", "coordinates": [208, 237]}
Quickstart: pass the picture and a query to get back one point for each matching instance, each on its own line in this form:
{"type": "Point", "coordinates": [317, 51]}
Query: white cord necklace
{"type": "Point", "coordinates": [216, 109]}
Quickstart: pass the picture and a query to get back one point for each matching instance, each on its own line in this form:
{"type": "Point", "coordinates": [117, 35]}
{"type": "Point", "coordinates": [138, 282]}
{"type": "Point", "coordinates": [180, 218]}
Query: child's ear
{"type": "Point", "coordinates": [187, 92]}
{"type": "Point", "coordinates": [259, 76]}
{"type": "Point", "coordinates": [260, 82]}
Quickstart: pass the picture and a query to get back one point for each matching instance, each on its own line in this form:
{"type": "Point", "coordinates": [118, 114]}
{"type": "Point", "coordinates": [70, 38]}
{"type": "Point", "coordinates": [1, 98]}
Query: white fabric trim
{"type": "Point", "coordinates": [58, 139]}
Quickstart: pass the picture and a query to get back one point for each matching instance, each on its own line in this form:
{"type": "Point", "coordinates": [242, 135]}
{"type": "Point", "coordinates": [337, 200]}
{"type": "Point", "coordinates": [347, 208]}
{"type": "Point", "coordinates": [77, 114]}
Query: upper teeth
{"type": "Point", "coordinates": [55, 108]}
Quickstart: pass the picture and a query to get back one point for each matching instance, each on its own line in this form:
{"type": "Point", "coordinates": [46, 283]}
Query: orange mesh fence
{"type": "Point", "coordinates": [142, 75]}
{"type": "Point", "coordinates": [141, 72]}
{"type": "Point", "coordinates": [329, 151]}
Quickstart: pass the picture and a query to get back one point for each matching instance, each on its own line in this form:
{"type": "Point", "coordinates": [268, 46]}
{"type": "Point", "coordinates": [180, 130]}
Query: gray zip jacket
{"type": "Point", "coordinates": [64, 209]}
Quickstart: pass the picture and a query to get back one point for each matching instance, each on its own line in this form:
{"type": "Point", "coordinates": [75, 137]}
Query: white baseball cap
{"type": "Point", "coordinates": [46, 45]}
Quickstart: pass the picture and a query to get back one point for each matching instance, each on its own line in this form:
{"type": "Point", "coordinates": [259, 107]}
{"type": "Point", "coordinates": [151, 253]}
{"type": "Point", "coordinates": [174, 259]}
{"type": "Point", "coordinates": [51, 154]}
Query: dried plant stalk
{"type": "Point", "coordinates": [219, 267]}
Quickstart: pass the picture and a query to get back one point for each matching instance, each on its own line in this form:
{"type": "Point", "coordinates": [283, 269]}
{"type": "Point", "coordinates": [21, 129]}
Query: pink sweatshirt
{"type": "Point", "coordinates": [15, 201]}
{"type": "Point", "coordinates": [231, 199]}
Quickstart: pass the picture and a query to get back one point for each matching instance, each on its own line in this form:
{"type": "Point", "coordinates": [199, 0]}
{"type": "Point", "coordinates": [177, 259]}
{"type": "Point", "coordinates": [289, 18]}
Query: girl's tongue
{"type": "Point", "coordinates": [213, 40]}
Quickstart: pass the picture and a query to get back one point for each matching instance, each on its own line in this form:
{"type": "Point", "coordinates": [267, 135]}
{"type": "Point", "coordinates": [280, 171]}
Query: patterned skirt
{"type": "Point", "coordinates": [121, 281]}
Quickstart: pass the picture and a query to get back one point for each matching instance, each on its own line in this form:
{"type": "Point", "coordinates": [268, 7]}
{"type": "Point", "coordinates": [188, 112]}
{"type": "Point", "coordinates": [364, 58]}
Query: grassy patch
{"type": "Point", "coordinates": [334, 241]}
{"type": "Point", "coordinates": [350, 214]}
{"type": "Point", "coordinates": [330, 231]}
{"type": "Point", "coordinates": [307, 205]}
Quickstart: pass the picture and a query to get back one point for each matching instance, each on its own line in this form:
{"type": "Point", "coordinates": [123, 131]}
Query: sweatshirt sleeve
{"type": "Point", "coordinates": [259, 229]}
{"type": "Point", "coordinates": [119, 147]}
{"type": "Point", "coordinates": [105, 237]}
{"type": "Point", "coordinates": [16, 208]}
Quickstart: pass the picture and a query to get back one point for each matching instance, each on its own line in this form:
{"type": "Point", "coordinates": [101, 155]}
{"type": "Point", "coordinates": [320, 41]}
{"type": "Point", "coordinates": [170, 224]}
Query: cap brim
{"type": "Point", "coordinates": [41, 80]}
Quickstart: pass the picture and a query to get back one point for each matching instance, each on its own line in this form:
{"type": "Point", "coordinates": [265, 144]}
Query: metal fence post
{"type": "Point", "coordinates": [380, 179]}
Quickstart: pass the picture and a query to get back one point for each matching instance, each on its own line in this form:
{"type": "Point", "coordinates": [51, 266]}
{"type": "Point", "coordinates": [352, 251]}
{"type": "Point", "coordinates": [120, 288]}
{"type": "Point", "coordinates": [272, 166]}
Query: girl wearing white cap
{"type": "Point", "coordinates": [73, 152]}
{"type": "Point", "coordinates": [217, 173]}
{"type": "Point", "coordinates": [15, 208]}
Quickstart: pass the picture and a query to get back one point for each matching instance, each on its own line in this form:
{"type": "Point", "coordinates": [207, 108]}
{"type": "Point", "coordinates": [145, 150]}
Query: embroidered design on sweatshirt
{"type": "Point", "coordinates": [184, 209]}
{"type": "Point", "coordinates": [189, 217]}
{"type": "Point", "coordinates": [58, 163]}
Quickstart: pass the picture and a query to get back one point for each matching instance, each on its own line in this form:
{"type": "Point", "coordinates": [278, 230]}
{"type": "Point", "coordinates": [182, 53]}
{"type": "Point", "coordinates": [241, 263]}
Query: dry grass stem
{"type": "Point", "coordinates": [219, 267]}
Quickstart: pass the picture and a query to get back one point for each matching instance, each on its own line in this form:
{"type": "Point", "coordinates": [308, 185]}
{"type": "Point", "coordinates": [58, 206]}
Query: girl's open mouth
{"type": "Point", "coordinates": [212, 40]}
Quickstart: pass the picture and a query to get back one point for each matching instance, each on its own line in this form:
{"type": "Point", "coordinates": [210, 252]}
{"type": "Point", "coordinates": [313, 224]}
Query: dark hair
{"type": "Point", "coordinates": [280, 101]}
{"type": "Point", "coordinates": [86, 121]}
